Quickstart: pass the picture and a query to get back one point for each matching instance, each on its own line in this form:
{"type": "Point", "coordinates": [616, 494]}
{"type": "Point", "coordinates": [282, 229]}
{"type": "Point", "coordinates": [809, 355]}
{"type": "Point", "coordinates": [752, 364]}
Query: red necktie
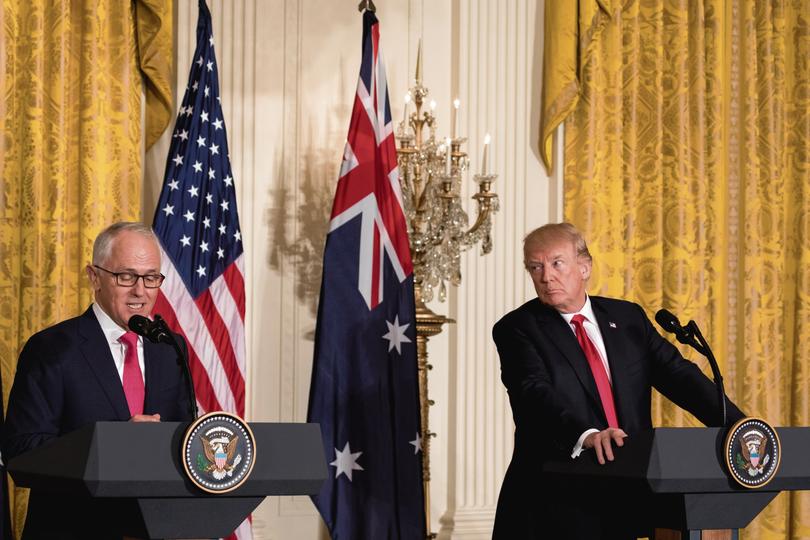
{"type": "Point", "coordinates": [133, 379]}
{"type": "Point", "coordinates": [598, 370]}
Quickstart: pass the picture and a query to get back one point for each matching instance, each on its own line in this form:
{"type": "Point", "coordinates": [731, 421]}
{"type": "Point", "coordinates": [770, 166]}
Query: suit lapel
{"type": "Point", "coordinates": [96, 352]}
{"type": "Point", "coordinates": [560, 334]}
{"type": "Point", "coordinates": [613, 338]}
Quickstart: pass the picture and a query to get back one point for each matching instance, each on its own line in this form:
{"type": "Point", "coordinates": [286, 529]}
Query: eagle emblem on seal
{"type": "Point", "coordinates": [753, 452]}
{"type": "Point", "coordinates": [219, 447]}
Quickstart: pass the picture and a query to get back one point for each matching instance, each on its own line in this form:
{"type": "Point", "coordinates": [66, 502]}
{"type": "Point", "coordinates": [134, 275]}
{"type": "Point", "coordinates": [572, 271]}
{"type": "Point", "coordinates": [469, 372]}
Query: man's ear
{"type": "Point", "coordinates": [585, 269]}
{"type": "Point", "coordinates": [93, 277]}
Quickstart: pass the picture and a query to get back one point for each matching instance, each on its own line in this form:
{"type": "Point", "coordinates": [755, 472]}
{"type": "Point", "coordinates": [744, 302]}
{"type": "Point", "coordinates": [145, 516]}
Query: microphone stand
{"type": "Point", "coordinates": [699, 343]}
{"type": "Point", "coordinates": [182, 360]}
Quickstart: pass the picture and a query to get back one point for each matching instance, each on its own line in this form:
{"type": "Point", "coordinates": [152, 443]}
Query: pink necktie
{"type": "Point", "coordinates": [133, 379]}
{"type": "Point", "coordinates": [598, 370]}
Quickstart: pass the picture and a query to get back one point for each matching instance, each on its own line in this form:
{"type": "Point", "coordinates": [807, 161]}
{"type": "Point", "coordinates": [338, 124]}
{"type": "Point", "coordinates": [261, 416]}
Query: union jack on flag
{"type": "Point", "coordinates": [364, 391]}
{"type": "Point", "coordinates": [203, 296]}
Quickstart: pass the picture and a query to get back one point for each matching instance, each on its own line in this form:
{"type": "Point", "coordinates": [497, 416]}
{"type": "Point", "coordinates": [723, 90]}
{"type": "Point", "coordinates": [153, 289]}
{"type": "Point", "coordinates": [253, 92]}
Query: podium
{"type": "Point", "coordinates": [132, 474]}
{"type": "Point", "coordinates": [675, 478]}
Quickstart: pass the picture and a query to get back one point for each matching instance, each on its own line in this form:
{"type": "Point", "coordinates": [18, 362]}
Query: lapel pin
{"type": "Point", "coordinates": [612, 324]}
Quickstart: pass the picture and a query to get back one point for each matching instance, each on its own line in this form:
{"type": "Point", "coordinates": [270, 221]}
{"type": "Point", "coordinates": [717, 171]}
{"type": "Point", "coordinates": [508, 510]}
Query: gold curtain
{"type": "Point", "coordinates": [687, 165]}
{"type": "Point", "coordinates": [70, 154]}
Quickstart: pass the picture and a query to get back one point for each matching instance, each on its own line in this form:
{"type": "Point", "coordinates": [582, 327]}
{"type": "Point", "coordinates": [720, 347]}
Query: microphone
{"type": "Point", "coordinates": [692, 336]}
{"type": "Point", "coordinates": [157, 331]}
{"type": "Point", "coordinates": [670, 323]}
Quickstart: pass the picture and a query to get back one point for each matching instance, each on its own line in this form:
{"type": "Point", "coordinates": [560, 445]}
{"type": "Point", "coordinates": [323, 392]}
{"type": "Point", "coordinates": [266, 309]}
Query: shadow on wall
{"type": "Point", "coordinates": [298, 218]}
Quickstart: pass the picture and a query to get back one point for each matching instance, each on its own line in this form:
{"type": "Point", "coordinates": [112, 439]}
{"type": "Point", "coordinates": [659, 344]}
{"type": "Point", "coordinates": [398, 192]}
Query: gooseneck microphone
{"type": "Point", "coordinates": [691, 335]}
{"type": "Point", "coordinates": [157, 331]}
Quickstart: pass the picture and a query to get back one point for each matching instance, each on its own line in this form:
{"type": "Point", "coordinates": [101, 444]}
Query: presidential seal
{"type": "Point", "coordinates": [219, 451]}
{"type": "Point", "coordinates": [752, 452]}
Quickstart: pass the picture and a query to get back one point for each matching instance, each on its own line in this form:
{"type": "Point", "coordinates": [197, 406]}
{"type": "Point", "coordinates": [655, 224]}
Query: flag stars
{"type": "Point", "coordinates": [193, 191]}
{"type": "Point", "coordinates": [228, 180]}
{"type": "Point", "coordinates": [214, 149]}
{"type": "Point", "coordinates": [417, 443]}
{"type": "Point", "coordinates": [207, 223]}
{"type": "Point", "coordinates": [178, 160]}
{"type": "Point", "coordinates": [212, 174]}
{"type": "Point", "coordinates": [204, 116]}
{"type": "Point", "coordinates": [346, 462]}
{"type": "Point", "coordinates": [237, 236]}
{"type": "Point", "coordinates": [195, 85]}
{"type": "Point", "coordinates": [201, 270]}
{"type": "Point", "coordinates": [189, 215]}
{"type": "Point", "coordinates": [211, 41]}
{"type": "Point", "coordinates": [185, 241]}
{"type": "Point", "coordinates": [209, 198]}
{"type": "Point", "coordinates": [197, 166]}
{"type": "Point", "coordinates": [200, 141]}
{"type": "Point", "coordinates": [396, 335]}
{"type": "Point", "coordinates": [220, 253]}
{"type": "Point", "coordinates": [199, 61]}
{"type": "Point", "coordinates": [184, 135]}
{"type": "Point", "coordinates": [210, 66]}
{"type": "Point", "coordinates": [224, 205]}
{"type": "Point", "coordinates": [169, 209]}
{"type": "Point", "coordinates": [204, 247]}
{"type": "Point", "coordinates": [222, 229]}
{"type": "Point", "coordinates": [173, 185]}
{"type": "Point", "coordinates": [206, 91]}
{"type": "Point", "coordinates": [217, 124]}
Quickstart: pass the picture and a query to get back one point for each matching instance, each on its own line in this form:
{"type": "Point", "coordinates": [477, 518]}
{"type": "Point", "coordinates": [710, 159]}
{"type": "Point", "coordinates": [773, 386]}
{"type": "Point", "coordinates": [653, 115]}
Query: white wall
{"type": "Point", "coordinates": [288, 72]}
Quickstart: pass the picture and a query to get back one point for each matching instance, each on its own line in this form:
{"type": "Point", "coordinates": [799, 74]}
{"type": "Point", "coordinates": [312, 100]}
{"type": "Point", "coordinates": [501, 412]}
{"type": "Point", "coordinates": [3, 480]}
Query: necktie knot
{"type": "Point", "coordinates": [129, 339]}
{"type": "Point", "coordinates": [578, 319]}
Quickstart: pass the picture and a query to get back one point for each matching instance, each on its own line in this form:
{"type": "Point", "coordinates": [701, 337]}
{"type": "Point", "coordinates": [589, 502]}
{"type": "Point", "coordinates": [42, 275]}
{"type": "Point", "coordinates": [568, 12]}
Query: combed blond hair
{"type": "Point", "coordinates": [553, 233]}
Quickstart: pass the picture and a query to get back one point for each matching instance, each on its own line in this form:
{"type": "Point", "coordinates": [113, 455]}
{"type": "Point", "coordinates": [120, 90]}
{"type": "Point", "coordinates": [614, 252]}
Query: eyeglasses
{"type": "Point", "coordinates": [129, 279]}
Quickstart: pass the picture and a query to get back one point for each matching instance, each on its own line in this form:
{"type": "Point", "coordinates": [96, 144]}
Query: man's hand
{"type": "Point", "coordinates": [600, 442]}
{"type": "Point", "coordinates": [147, 418]}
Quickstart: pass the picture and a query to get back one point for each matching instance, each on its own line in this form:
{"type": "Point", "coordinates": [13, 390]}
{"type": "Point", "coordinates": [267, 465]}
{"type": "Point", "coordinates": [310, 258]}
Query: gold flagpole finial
{"type": "Point", "coordinates": [367, 4]}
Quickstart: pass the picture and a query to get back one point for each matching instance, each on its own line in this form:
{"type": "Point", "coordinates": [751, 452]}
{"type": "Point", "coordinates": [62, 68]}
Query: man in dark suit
{"type": "Point", "coordinates": [579, 371]}
{"type": "Point", "coordinates": [92, 368]}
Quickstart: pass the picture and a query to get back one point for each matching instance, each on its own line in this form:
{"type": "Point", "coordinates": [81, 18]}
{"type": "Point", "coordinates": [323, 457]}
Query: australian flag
{"type": "Point", "coordinates": [364, 389]}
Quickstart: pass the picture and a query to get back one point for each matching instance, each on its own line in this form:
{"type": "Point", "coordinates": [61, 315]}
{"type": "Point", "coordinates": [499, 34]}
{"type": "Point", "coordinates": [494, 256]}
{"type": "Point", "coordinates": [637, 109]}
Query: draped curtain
{"type": "Point", "coordinates": [687, 166]}
{"type": "Point", "coordinates": [73, 77]}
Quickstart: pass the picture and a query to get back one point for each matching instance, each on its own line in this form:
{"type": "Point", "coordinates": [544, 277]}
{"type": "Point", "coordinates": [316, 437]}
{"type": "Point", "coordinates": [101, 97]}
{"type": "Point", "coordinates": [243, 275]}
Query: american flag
{"type": "Point", "coordinates": [203, 296]}
{"type": "Point", "coordinates": [364, 389]}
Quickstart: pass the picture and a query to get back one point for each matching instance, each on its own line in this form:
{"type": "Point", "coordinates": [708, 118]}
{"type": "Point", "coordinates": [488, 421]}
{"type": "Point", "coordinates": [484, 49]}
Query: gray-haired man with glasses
{"type": "Point", "coordinates": [93, 368]}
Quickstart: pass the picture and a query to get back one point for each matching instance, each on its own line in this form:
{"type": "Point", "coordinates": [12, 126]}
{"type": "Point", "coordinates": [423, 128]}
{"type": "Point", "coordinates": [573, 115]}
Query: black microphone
{"type": "Point", "coordinates": [692, 336]}
{"type": "Point", "coordinates": [157, 331]}
{"type": "Point", "coordinates": [670, 323]}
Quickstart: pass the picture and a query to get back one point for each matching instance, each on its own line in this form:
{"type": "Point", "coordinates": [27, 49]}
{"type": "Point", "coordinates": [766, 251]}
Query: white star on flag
{"type": "Point", "coordinates": [189, 215]}
{"type": "Point", "coordinates": [197, 166]}
{"type": "Point", "coordinates": [417, 443]}
{"type": "Point", "coordinates": [169, 209]}
{"type": "Point", "coordinates": [193, 191]}
{"type": "Point", "coordinates": [178, 160]}
{"type": "Point", "coordinates": [200, 141]}
{"type": "Point", "coordinates": [184, 135]}
{"type": "Point", "coordinates": [186, 240]}
{"type": "Point", "coordinates": [396, 335]}
{"type": "Point", "coordinates": [346, 462]}
{"type": "Point", "coordinates": [174, 185]}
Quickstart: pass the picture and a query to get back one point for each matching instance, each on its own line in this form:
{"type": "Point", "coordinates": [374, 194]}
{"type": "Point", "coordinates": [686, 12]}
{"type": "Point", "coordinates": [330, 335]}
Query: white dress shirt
{"type": "Point", "coordinates": [595, 335]}
{"type": "Point", "coordinates": [112, 333]}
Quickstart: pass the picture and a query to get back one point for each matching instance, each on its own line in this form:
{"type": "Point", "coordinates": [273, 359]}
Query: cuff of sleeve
{"type": "Point", "coordinates": [578, 447]}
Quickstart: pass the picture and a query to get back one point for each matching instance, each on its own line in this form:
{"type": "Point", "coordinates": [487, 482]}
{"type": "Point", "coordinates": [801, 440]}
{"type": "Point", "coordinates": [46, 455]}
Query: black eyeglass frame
{"type": "Point", "coordinates": [118, 275]}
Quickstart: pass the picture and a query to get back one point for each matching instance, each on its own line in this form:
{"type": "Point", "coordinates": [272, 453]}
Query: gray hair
{"type": "Point", "coordinates": [102, 247]}
{"type": "Point", "coordinates": [552, 233]}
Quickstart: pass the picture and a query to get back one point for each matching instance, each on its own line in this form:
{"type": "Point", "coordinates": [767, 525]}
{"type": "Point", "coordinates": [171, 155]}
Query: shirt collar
{"type": "Point", "coordinates": [586, 311]}
{"type": "Point", "coordinates": [112, 332]}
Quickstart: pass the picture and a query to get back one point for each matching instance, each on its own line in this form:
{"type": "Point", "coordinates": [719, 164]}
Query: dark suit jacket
{"type": "Point", "coordinates": [66, 379]}
{"type": "Point", "coordinates": [554, 400]}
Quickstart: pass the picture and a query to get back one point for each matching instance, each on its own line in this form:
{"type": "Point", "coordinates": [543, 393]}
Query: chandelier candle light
{"type": "Point", "coordinates": [431, 171]}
